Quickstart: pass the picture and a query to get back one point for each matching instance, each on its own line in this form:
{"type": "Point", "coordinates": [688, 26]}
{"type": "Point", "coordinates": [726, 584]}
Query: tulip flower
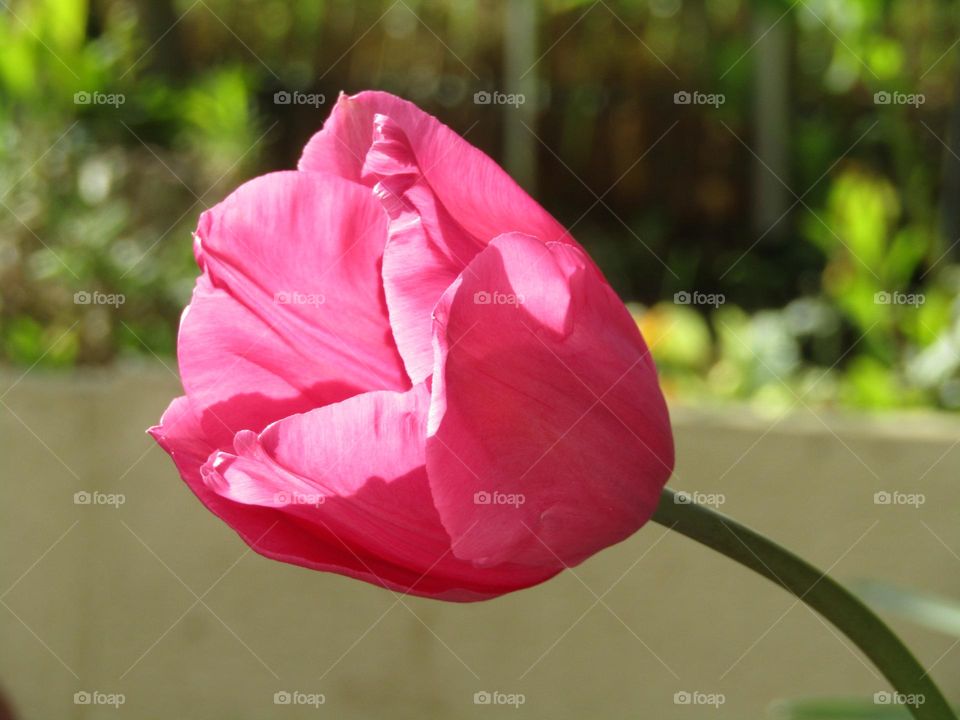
{"type": "Point", "coordinates": [398, 367]}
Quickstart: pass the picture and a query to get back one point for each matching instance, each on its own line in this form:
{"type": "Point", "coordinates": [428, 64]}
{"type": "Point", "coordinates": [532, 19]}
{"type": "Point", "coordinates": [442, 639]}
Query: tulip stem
{"type": "Point", "coordinates": [816, 589]}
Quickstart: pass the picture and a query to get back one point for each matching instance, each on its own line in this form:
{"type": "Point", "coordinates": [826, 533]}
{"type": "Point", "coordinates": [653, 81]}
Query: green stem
{"type": "Point", "coordinates": [817, 590]}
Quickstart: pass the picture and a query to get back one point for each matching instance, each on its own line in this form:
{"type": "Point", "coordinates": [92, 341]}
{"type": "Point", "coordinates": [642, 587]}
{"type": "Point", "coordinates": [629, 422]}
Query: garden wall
{"type": "Point", "coordinates": [157, 600]}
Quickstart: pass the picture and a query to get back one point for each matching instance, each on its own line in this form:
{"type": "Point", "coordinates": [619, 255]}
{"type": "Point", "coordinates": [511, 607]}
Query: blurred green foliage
{"type": "Point", "coordinates": [839, 709]}
{"type": "Point", "coordinates": [850, 300]}
{"type": "Point", "coordinates": [100, 197]}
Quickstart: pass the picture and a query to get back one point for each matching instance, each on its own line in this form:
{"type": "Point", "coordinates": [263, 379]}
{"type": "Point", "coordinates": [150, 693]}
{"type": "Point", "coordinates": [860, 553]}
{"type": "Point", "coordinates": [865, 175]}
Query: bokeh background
{"type": "Point", "coordinates": [786, 188]}
{"type": "Point", "coordinates": [773, 187]}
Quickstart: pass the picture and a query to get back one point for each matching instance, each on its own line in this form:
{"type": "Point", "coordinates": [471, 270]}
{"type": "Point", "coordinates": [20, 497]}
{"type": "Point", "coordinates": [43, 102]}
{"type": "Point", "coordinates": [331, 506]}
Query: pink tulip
{"type": "Point", "coordinates": [398, 367]}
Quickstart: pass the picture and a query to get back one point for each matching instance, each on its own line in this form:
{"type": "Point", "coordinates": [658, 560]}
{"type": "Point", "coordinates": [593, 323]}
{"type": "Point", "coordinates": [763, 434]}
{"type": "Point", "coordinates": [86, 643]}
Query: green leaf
{"type": "Point", "coordinates": [837, 709]}
{"type": "Point", "coordinates": [930, 611]}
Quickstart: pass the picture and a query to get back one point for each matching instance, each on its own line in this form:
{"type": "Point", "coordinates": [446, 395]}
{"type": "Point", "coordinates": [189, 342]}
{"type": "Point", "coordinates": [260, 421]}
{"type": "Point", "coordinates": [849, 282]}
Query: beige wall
{"type": "Point", "coordinates": [112, 606]}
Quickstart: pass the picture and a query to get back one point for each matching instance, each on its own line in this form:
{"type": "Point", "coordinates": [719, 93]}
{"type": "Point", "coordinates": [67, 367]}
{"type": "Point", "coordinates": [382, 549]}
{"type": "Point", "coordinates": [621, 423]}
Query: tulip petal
{"type": "Point", "coordinates": [266, 530]}
{"type": "Point", "coordinates": [472, 187]}
{"type": "Point", "coordinates": [352, 474]}
{"type": "Point", "coordinates": [290, 313]}
{"type": "Point", "coordinates": [547, 427]}
{"type": "Point", "coordinates": [426, 248]}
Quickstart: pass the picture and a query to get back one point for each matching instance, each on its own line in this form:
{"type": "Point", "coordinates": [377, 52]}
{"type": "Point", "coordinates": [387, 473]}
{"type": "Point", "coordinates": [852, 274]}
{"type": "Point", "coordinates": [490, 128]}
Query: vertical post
{"type": "Point", "coordinates": [464, 20]}
{"type": "Point", "coordinates": [950, 186]}
{"type": "Point", "coordinates": [771, 98]}
{"type": "Point", "coordinates": [520, 78]}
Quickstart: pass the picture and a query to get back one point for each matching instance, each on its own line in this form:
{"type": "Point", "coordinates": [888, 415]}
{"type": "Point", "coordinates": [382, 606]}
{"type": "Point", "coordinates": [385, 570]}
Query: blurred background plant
{"type": "Point", "coordinates": [792, 240]}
